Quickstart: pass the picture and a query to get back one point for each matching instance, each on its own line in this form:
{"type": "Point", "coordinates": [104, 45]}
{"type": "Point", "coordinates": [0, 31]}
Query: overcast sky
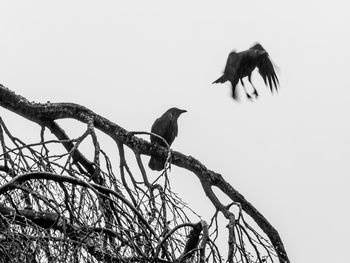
{"type": "Point", "coordinates": [129, 61]}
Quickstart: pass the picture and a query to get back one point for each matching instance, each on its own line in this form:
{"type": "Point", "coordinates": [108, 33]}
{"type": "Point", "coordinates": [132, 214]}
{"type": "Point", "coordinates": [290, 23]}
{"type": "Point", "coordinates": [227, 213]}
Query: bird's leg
{"type": "Point", "coordinates": [245, 90]}
{"type": "Point", "coordinates": [254, 92]}
{"type": "Point", "coordinates": [242, 82]}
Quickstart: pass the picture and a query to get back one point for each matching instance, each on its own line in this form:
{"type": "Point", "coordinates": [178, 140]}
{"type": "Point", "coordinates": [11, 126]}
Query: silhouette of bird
{"type": "Point", "coordinates": [166, 127]}
{"type": "Point", "coordinates": [242, 64]}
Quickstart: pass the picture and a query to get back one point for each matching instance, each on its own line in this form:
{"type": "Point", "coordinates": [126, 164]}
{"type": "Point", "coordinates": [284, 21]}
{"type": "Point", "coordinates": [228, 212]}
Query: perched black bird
{"type": "Point", "coordinates": [166, 127]}
{"type": "Point", "coordinates": [242, 64]}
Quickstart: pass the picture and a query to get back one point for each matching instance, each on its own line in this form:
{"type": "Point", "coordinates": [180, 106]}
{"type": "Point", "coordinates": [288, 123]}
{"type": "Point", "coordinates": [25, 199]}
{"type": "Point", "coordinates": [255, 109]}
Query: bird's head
{"type": "Point", "coordinates": [257, 50]}
{"type": "Point", "coordinates": [176, 112]}
{"type": "Point", "coordinates": [258, 53]}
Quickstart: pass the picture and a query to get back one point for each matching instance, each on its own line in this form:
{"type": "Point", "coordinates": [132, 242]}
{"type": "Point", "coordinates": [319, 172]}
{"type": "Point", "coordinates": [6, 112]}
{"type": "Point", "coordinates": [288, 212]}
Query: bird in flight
{"type": "Point", "coordinates": [242, 64]}
{"type": "Point", "coordinates": [166, 127]}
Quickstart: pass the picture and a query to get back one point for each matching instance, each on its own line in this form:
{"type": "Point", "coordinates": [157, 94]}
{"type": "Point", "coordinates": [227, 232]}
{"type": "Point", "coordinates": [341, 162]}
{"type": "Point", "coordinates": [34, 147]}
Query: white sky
{"type": "Point", "coordinates": [129, 61]}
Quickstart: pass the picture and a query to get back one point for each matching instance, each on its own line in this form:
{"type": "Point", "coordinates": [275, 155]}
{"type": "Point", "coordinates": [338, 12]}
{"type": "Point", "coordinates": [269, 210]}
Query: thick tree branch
{"type": "Point", "coordinates": [77, 235]}
{"type": "Point", "coordinates": [76, 181]}
{"type": "Point", "coordinates": [40, 113]}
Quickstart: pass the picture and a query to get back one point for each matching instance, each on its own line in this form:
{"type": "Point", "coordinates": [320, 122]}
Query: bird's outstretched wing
{"type": "Point", "coordinates": [266, 69]}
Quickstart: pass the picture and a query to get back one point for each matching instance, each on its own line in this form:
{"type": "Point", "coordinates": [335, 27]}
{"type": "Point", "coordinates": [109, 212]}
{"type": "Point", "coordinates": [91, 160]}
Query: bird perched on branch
{"type": "Point", "coordinates": [166, 127]}
{"type": "Point", "coordinates": [242, 64]}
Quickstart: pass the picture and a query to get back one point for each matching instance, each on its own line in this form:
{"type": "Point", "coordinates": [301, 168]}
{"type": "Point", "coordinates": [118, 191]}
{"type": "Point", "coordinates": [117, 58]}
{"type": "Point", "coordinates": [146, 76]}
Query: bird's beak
{"type": "Point", "coordinates": [262, 52]}
{"type": "Point", "coordinates": [183, 111]}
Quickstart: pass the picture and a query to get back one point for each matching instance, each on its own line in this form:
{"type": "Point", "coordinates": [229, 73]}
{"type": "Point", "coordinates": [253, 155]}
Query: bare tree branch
{"type": "Point", "coordinates": [46, 115]}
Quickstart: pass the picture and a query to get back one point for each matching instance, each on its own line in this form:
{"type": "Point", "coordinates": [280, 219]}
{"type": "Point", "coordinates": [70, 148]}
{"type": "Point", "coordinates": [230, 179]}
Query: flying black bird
{"type": "Point", "coordinates": [166, 127]}
{"type": "Point", "coordinates": [242, 64]}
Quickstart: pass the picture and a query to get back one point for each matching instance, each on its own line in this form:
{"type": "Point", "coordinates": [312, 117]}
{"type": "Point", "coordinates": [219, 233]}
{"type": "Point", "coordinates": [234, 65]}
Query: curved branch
{"type": "Point", "coordinates": [62, 178]}
{"type": "Point", "coordinates": [49, 220]}
{"type": "Point", "coordinates": [168, 235]}
{"type": "Point", "coordinates": [52, 111]}
{"type": "Point", "coordinates": [43, 219]}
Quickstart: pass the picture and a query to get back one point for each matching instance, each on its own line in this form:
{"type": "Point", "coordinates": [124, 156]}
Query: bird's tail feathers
{"type": "Point", "coordinates": [222, 79]}
{"type": "Point", "coordinates": [156, 164]}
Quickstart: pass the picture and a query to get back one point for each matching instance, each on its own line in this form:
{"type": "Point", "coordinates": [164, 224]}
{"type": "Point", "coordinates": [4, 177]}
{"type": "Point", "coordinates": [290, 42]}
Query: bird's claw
{"type": "Point", "coordinates": [249, 97]}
